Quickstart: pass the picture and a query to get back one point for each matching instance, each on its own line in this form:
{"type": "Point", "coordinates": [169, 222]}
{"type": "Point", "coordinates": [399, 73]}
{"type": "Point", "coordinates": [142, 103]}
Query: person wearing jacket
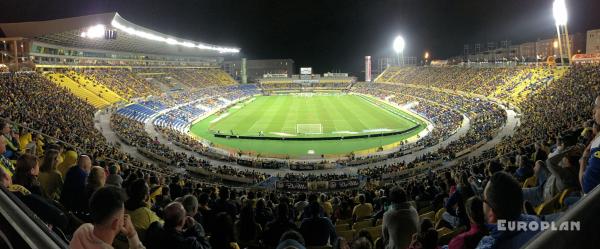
{"type": "Point", "coordinates": [563, 168]}
{"type": "Point", "coordinates": [179, 231]}
{"type": "Point", "coordinates": [560, 172]}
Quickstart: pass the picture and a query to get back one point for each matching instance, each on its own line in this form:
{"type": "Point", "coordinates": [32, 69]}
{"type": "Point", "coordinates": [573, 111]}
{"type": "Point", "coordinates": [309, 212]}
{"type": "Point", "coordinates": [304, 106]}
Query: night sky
{"type": "Point", "coordinates": [329, 35]}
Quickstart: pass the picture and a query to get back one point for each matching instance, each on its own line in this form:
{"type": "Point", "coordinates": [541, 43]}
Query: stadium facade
{"type": "Point", "coordinates": [530, 51]}
{"type": "Point", "coordinates": [256, 69]}
{"type": "Point", "coordinates": [103, 39]}
{"type": "Point", "coordinates": [593, 41]}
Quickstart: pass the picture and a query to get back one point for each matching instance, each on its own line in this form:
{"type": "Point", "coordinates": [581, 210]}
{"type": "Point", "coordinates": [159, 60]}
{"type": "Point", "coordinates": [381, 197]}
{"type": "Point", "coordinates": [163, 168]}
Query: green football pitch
{"type": "Point", "coordinates": [307, 116]}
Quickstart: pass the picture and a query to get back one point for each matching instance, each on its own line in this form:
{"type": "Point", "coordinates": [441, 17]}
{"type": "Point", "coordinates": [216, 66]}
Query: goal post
{"type": "Point", "coordinates": [309, 129]}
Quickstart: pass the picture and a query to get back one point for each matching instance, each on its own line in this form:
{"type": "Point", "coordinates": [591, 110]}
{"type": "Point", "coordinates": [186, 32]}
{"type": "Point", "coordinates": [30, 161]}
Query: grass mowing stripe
{"type": "Point", "coordinates": [242, 119]}
{"type": "Point", "coordinates": [243, 122]}
{"type": "Point", "coordinates": [380, 118]}
{"type": "Point", "coordinates": [277, 122]}
{"type": "Point", "coordinates": [370, 118]}
{"type": "Point", "coordinates": [327, 124]}
{"type": "Point", "coordinates": [392, 109]}
{"type": "Point", "coordinates": [341, 121]}
{"type": "Point", "coordinates": [351, 115]}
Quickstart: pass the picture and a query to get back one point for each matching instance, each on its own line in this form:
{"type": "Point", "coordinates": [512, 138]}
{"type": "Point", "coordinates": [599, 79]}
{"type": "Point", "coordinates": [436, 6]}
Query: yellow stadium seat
{"type": "Point", "coordinates": [342, 227]}
{"type": "Point", "coordinates": [530, 182]}
{"type": "Point", "coordinates": [563, 195]}
{"type": "Point", "coordinates": [438, 215]}
{"type": "Point", "coordinates": [429, 215]}
{"type": "Point", "coordinates": [93, 86]}
{"type": "Point", "coordinates": [375, 232]}
{"type": "Point", "coordinates": [550, 206]}
{"type": "Point", "coordinates": [445, 234]}
{"type": "Point", "coordinates": [346, 221]}
{"type": "Point", "coordinates": [77, 90]}
{"type": "Point", "coordinates": [348, 235]}
{"type": "Point", "coordinates": [361, 224]}
{"type": "Point", "coordinates": [378, 243]}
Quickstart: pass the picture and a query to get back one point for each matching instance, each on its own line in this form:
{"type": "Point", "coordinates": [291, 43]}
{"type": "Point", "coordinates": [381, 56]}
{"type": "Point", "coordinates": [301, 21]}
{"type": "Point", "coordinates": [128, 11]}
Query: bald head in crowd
{"type": "Point", "coordinates": [190, 204]}
{"type": "Point", "coordinates": [174, 216]}
{"type": "Point", "coordinates": [85, 163]}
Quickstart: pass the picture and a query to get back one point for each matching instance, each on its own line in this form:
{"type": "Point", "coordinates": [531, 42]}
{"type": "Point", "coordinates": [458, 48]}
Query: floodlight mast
{"type": "Point", "coordinates": [559, 11]}
{"type": "Point", "coordinates": [398, 46]}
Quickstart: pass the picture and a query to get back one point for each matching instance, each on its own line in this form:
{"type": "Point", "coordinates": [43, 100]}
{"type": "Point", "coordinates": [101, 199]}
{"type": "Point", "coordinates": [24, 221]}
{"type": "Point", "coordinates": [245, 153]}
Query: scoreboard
{"type": "Point", "coordinates": [305, 70]}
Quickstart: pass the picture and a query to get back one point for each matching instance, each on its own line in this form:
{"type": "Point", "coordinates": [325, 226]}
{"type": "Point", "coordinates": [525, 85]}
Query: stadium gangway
{"type": "Point", "coordinates": [586, 212]}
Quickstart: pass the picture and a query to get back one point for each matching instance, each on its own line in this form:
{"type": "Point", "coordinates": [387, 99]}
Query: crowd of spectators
{"type": "Point", "coordinates": [191, 78]}
{"type": "Point", "coordinates": [124, 82]}
{"type": "Point", "coordinates": [293, 177]}
{"type": "Point", "coordinates": [132, 132]}
{"type": "Point", "coordinates": [443, 110]}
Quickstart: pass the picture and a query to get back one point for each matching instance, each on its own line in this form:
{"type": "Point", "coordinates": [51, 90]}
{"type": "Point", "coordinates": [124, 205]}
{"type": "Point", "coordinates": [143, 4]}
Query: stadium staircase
{"type": "Point", "coordinates": [78, 90]}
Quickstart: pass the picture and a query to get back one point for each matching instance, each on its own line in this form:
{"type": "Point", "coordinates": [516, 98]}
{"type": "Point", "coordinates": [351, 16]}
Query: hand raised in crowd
{"type": "Point", "coordinates": [128, 229]}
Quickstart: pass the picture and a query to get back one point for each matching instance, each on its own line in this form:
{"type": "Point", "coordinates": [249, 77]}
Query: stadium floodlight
{"type": "Point", "coordinates": [559, 11]}
{"type": "Point", "coordinates": [399, 44]}
{"type": "Point", "coordinates": [169, 40]}
{"type": "Point", "coordinates": [399, 47]}
{"type": "Point", "coordinates": [93, 32]}
{"type": "Point", "coordinates": [188, 44]}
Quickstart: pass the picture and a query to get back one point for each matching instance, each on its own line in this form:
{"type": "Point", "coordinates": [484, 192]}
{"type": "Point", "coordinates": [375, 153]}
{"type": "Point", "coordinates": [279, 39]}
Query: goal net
{"type": "Point", "coordinates": [309, 128]}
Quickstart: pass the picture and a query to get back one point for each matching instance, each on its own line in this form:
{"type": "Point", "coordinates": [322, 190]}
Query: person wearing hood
{"type": "Point", "coordinates": [69, 160]}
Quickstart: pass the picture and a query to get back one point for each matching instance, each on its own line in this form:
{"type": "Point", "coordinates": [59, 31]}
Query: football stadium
{"type": "Point", "coordinates": [118, 133]}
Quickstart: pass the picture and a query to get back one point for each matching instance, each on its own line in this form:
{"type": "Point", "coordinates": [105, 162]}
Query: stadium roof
{"type": "Point", "coordinates": [89, 32]}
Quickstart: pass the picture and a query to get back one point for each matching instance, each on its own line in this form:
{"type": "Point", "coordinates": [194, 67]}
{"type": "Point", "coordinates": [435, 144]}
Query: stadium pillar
{"type": "Point", "coordinates": [560, 45]}
{"type": "Point", "coordinates": [367, 68]}
{"type": "Point", "coordinates": [568, 43]}
{"type": "Point", "coordinates": [243, 72]}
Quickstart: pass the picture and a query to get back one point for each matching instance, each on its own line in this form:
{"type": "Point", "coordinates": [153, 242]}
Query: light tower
{"type": "Point", "coordinates": [559, 11]}
{"type": "Point", "coordinates": [399, 47]}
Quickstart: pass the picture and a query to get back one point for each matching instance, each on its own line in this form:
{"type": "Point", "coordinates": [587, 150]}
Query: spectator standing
{"type": "Point", "coordinates": [400, 222]}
